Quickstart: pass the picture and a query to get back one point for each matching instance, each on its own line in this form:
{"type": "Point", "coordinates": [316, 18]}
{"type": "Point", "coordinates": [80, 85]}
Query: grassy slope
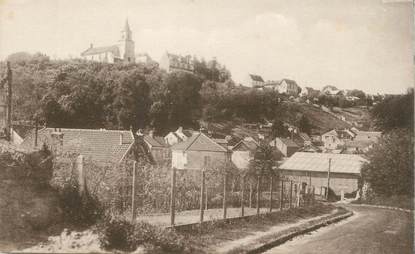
{"type": "Point", "coordinates": [320, 120]}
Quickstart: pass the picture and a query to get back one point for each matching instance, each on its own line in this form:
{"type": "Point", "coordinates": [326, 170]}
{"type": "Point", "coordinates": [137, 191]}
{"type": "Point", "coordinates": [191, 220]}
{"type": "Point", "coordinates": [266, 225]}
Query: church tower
{"type": "Point", "coordinates": [126, 44]}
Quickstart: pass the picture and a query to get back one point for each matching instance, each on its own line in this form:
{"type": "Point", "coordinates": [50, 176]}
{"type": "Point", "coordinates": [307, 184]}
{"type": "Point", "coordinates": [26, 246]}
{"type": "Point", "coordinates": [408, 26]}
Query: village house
{"type": "Point", "coordinates": [123, 51]}
{"type": "Point", "coordinates": [177, 136]}
{"type": "Point", "coordinates": [99, 145]}
{"type": "Point", "coordinates": [335, 139]}
{"type": "Point", "coordinates": [243, 153]}
{"type": "Point", "coordinates": [286, 146]}
{"type": "Point", "coordinates": [289, 87]}
{"type": "Point", "coordinates": [172, 62]}
{"type": "Point", "coordinates": [253, 80]}
{"type": "Point", "coordinates": [158, 148]}
{"type": "Point", "coordinates": [302, 139]}
{"type": "Point", "coordinates": [332, 91]}
{"type": "Point", "coordinates": [199, 152]}
{"type": "Point", "coordinates": [362, 142]}
{"type": "Point", "coordinates": [312, 169]}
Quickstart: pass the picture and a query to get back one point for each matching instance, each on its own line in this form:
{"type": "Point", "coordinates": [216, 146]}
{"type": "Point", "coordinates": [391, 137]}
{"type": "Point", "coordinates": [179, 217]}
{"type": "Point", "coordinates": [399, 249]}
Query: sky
{"type": "Point", "coordinates": [351, 44]}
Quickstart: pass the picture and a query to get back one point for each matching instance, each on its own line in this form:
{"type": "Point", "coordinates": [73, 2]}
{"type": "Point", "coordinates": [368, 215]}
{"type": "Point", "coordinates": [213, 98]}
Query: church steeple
{"type": "Point", "coordinates": [126, 44]}
{"type": "Point", "coordinates": [126, 33]}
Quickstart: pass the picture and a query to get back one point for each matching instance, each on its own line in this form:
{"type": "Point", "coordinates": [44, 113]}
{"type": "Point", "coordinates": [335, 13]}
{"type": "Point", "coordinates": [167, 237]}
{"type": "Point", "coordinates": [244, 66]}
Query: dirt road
{"type": "Point", "coordinates": [369, 231]}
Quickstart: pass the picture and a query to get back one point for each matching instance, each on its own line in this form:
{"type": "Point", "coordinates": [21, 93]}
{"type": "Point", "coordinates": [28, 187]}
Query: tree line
{"type": "Point", "coordinates": [80, 94]}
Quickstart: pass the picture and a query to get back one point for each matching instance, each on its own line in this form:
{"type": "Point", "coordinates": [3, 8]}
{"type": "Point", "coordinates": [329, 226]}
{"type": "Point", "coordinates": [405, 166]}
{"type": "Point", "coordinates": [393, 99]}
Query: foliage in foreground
{"type": "Point", "coordinates": [120, 234]}
{"type": "Point", "coordinates": [390, 171]}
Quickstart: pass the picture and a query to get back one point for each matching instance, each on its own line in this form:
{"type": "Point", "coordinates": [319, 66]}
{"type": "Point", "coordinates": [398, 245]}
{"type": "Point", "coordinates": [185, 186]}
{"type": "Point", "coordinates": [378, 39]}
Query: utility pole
{"type": "Point", "coordinates": [328, 179]}
{"type": "Point", "coordinates": [9, 101]}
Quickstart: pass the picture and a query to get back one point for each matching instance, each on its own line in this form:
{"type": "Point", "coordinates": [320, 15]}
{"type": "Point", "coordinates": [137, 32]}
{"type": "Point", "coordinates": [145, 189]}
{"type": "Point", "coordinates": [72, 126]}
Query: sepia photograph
{"type": "Point", "coordinates": [207, 126]}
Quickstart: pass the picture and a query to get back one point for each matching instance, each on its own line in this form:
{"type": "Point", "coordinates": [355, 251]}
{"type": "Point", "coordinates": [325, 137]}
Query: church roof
{"type": "Point", "coordinates": [99, 50]}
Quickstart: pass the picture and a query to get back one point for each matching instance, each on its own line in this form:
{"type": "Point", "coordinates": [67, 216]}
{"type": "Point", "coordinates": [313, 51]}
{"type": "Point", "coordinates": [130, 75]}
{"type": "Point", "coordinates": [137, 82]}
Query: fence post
{"type": "Point", "coordinates": [250, 194]}
{"type": "Point", "coordinates": [314, 195]}
{"type": "Point", "coordinates": [202, 192]}
{"type": "Point", "coordinates": [206, 197]}
{"type": "Point", "coordinates": [270, 193]}
{"type": "Point", "coordinates": [242, 195]}
{"type": "Point", "coordinates": [298, 195]}
{"type": "Point", "coordinates": [81, 174]}
{"type": "Point", "coordinates": [133, 193]}
{"type": "Point", "coordinates": [291, 194]}
{"type": "Point", "coordinates": [282, 195]}
{"type": "Point", "coordinates": [225, 183]}
{"type": "Point", "coordinates": [258, 193]}
{"type": "Point", "coordinates": [173, 196]}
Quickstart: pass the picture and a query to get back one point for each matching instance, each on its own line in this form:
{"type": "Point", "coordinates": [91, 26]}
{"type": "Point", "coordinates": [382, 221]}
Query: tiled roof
{"type": "Point", "coordinates": [256, 78]}
{"type": "Point", "coordinates": [319, 162]}
{"type": "Point", "coordinates": [250, 145]}
{"type": "Point", "coordinates": [98, 50]}
{"type": "Point", "coordinates": [98, 145]}
{"type": "Point", "coordinates": [199, 142]}
{"type": "Point", "coordinates": [22, 130]}
{"type": "Point", "coordinates": [304, 136]}
{"type": "Point", "coordinates": [368, 135]}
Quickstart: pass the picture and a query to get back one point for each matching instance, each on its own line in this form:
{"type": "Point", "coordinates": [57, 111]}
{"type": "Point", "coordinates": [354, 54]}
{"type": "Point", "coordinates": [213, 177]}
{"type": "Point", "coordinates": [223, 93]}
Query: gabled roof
{"type": "Point", "coordinates": [256, 78]}
{"type": "Point", "coordinates": [332, 132]}
{"type": "Point", "coordinates": [289, 81]}
{"type": "Point", "coordinates": [98, 145]}
{"type": "Point", "coordinates": [319, 162]}
{"type": "Point", "coordinates": [98, 50]}
{"type": "Point", "coordinates": [245, 145]}
{"type": "Point", "coordinates": [304, 136]}
{"type": "Point", "coordinates": [199, 142]}
{"type": "Point", "coordinates": [22, 130]}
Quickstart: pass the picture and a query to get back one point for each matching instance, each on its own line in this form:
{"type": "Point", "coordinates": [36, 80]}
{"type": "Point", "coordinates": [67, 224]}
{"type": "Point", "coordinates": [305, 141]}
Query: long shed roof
{"type": "Point", "coordinates": [319, 162]}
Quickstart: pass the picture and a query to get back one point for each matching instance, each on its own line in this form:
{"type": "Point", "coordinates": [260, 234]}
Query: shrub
{"type": "Point", "coordinates": [120, 234]}
{"type": "Point", "coordinates": [79, 210]}
{"type": "Point", "coordinates": [117, 234]}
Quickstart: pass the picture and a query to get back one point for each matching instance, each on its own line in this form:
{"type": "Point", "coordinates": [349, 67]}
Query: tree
{"type": "Point", "coordinates": [395, 112]}
{"type": "Point", "coordinates": [304, 124]}
{"type": "Point", "coordinates": [182, 99]}
{"type": "Point", "coordinates": [390, 168]}
{"type": "Point", "coordinates": [278, 129]}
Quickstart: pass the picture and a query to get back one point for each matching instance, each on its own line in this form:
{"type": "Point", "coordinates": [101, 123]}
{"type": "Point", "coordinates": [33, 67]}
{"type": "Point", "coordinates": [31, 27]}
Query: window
{"type": "Point", "coordinates": [207, 163]}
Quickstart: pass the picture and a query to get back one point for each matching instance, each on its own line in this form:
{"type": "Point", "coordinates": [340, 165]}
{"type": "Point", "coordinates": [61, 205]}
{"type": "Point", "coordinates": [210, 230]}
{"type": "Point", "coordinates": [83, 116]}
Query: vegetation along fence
{"type": "Point", "coordinates": [135, 189]}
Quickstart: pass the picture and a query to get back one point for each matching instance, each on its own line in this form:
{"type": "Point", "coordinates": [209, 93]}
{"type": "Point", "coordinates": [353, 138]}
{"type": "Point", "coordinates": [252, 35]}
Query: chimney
{"type": "Point", "coordinates": [121, 138]}
{"type": "Point", "coordinates": [57, 141]}
{"type": "Point", "coordinates": [151, 133]}
{"type": "Point", "coordinates": [91, 46]}
{"type": "Point", "coordinates": [180, 129]}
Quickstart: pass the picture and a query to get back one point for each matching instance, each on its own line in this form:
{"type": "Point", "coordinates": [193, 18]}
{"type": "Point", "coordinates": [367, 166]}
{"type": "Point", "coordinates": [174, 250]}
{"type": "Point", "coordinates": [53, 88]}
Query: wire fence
{"type": "Point", "coordinates": [140, 190]}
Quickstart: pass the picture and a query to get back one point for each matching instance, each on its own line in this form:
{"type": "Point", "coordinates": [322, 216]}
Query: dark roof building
{"type": "Point", "coordinates": [99, 145]}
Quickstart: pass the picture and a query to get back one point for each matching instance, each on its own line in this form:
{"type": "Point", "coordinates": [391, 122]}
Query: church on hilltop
{"type": "Point", "coordinates": [123, 51]}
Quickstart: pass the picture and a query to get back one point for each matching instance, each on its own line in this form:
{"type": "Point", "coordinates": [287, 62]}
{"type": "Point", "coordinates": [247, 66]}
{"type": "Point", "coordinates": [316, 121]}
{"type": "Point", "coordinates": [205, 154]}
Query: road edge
{"type": "Point", "coordinates": [286, 237]}
{"type": "Point", "coordinates": [383, 207]}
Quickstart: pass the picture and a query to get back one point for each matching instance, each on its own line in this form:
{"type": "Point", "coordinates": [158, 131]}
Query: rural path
{"type": "Point", "coordinates": [193, 216]}
{"type": "Point", "coordinates": [370, 230]}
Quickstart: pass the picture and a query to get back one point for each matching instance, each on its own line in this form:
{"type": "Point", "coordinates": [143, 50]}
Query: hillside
{"type": "Point", "coordinates": [320, 120]}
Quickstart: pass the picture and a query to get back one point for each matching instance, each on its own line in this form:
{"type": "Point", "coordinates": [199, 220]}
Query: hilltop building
{"type": "Point", "coordinates": [123, 51]}
{"type": "Point", "coordinates": [172, 62]}
{"type": "Point", "coordinates": [253, 80]}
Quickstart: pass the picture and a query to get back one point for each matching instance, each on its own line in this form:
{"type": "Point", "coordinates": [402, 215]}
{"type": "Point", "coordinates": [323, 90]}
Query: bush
{"type": "Point", "coordinates": [120, 234]}
{"type": "Point", "coordinates": [79, 210]}
{"type": "Point", "coordinates": [117, 234]}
